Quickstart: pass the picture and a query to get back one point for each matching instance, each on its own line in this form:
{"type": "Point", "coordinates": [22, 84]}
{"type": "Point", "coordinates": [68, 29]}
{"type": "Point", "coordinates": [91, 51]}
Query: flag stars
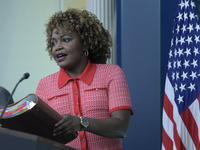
{"type": "Point", "coordinates": [190, 28]}
{"type": "Point", "coordinates": [173, 76]}
{"type": "Point", "coordinates": [191, 16]}
{"type": "Point", "coordinates": [184, 27]}
{"type": "Point", "coordinates": [197, 17]}
{"type": "Point", "coordinates": [187, 51]}
{"type": "Point", "coordinates": [192, 4]}
{"type": "Point", "coordinates": [184, 56]}
{"type": "Point", "coordinates": [177, 75]}
{"type": "Point", "coordinates": [184, 75]}
{"type": "Point", "coordinates": [185, 16]}
{"type": "Point", "coordinates": [172, 43]}
{"type": "Point", "coordinates": [186, 4]}
{"type": "Point", "coordinates": [182, 87]}
{"type": "Point", "coordinates": [170, 54]}
{"type": "Point", "coordinates": [182, 4]}
{"type": "Point", "coordinates": [196, 51]}
{"type": "Point", "coordinates": [169, 65]}
{"type": "Point", "coordinates": [175, 53]}
{"type": "Point", "coordinates": [177, 28]}
{"type": "Point", "coordinates": [180, 16]}
{"type": "Point", "coordinates": [186, 63]}
{"type": "Point", "coordinates": [189, 39]}
{"type": "Point", "coordinates": [193, 75]}
{"type": "Point", "coordinates": [175, 87]}
{"type": "Point", "coordinates": [182, 40]}
{"type": "Point", "coordinates": [174, 64]}
{"type": "Point", "coordinates": [194, 63]}
{"type": "Point", "coordinates": [191, 87]}
{"type": "Point", "coordinates": [180, 52]}
{"type": "Point", "coordinates": [178, 63]}
{"type": "Point", "coordinates": [176, 40]}
{"type": "Point", "coordinates": [180, 99]}
{"type": "Point", "coordinates": [197, 39]}
{"type": "Point", "coordinates": [197, 27]}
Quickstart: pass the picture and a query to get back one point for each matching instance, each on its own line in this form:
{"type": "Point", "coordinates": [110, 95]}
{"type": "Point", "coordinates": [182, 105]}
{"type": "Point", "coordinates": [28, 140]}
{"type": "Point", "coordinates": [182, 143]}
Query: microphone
{"type": "Point", "coordinates": [25, 76]}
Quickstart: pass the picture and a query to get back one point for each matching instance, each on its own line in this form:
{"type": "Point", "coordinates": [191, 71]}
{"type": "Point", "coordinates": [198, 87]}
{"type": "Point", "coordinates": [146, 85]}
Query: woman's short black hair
{"type": "Point", "coordinates": [94, 37]}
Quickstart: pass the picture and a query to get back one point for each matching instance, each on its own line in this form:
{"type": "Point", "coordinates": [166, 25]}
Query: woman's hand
{"type": "Point", "coordinates": [114, 127]}
{"type": "Point", "coordinates": [67, 125]}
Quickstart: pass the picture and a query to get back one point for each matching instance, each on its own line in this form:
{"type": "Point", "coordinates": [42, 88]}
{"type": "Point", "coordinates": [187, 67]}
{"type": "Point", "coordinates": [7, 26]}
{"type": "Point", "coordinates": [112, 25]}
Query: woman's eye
{"type": "Point", "coordinates": [53, 43]}
{"type": "Point", "coordinates": [66, 40]}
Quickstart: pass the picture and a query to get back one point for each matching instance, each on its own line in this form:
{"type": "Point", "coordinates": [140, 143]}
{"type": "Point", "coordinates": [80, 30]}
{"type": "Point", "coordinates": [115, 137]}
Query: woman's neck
{"type": "Point", "coordinates": [75, 72]}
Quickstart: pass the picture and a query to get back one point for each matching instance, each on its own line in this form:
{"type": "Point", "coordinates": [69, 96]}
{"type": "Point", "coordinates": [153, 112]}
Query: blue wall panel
{"type": "Point", "coordinates": [140, 60]}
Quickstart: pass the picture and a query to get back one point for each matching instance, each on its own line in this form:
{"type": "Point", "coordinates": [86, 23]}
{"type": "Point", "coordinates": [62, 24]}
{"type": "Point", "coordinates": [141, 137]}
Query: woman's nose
{"type": "Point", "coordinates": [58, 47]}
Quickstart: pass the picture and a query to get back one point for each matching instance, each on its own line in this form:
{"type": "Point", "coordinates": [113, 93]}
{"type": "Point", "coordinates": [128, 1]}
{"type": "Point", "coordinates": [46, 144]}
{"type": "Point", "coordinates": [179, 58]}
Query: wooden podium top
{"type": "Point", "coordinates": [34, 138]}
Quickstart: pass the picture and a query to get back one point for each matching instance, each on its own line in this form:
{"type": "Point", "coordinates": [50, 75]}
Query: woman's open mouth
{"type": "Point", "coordinates": [60, 57]}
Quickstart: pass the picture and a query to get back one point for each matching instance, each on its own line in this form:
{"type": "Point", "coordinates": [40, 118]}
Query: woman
{"type": "Point", "coordinates": [92, 96]}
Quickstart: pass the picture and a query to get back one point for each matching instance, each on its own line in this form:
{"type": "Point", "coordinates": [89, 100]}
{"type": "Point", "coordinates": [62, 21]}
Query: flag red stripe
{"type": "Point", "coordinates": [167, 142]}
{"type": "Point", "coordinates": [191, 126]}
{"type": "Point", "coordinates": [169, 111]}
{"type": "Point", "coordinates": [177, 139]}
{"type": "Point", "coordinates": [168, 107]}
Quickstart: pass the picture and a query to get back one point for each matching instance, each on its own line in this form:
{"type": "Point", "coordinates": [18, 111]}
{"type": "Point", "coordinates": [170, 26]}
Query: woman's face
{"type": "Point", "coordinates": [67, 49]}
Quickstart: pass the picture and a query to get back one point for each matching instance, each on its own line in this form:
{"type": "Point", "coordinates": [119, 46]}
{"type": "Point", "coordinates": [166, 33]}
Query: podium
{"type": "Point", "coordinates": [15, 140]}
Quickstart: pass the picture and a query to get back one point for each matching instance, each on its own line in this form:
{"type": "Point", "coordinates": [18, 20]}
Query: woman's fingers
{"type": "Point", "coordinates": [67, 125]}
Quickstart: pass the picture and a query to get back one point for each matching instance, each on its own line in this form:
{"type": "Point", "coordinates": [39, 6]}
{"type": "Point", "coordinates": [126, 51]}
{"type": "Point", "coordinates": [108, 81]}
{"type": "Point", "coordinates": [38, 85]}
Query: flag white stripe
{"type": "Point", "coordinates": [184, 134]}
{"type": "Point", "coordinates": [174, 146]}
{"type": "Point", "coordinates": [195, 110]}
{"type": "Point", "coordinates": [169, 90]}
{"type": "Point", "coordinates": [181, 129]}
{"type": "Point", "coordinates": [170, 94]}
{"type": "Point", "coordinates": [163, 148]}
{"type": "Point", "coordinates": [168, 126]}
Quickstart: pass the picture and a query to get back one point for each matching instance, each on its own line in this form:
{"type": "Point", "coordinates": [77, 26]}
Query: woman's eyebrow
{"type": "Point", "coordinates": [62, 35]}
{"type": "Point", "coordinates": [65, 35]}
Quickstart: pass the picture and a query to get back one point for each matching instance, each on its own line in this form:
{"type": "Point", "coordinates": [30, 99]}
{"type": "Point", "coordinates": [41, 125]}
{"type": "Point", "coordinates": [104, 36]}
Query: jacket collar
{"type": "Point", "coordinates": [86, 76]}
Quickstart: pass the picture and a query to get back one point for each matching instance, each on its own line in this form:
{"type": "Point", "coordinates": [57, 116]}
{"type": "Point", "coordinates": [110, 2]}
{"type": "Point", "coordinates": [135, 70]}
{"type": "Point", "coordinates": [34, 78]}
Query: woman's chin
{"type": "Point", "coordinates": [64, 66]}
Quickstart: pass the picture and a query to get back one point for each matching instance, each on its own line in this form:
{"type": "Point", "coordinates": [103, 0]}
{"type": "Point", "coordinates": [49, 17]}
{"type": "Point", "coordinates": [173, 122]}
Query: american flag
{"type": "Point", "coordinates": [181, 106]}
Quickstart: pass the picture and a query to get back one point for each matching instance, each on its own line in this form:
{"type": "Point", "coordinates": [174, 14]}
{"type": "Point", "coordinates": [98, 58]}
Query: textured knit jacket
{"type": "Point", "coordinates": [96, 93]}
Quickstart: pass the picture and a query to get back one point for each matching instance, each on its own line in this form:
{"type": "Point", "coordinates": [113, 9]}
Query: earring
{"type": "Point", "coordinates": [86, 53]}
